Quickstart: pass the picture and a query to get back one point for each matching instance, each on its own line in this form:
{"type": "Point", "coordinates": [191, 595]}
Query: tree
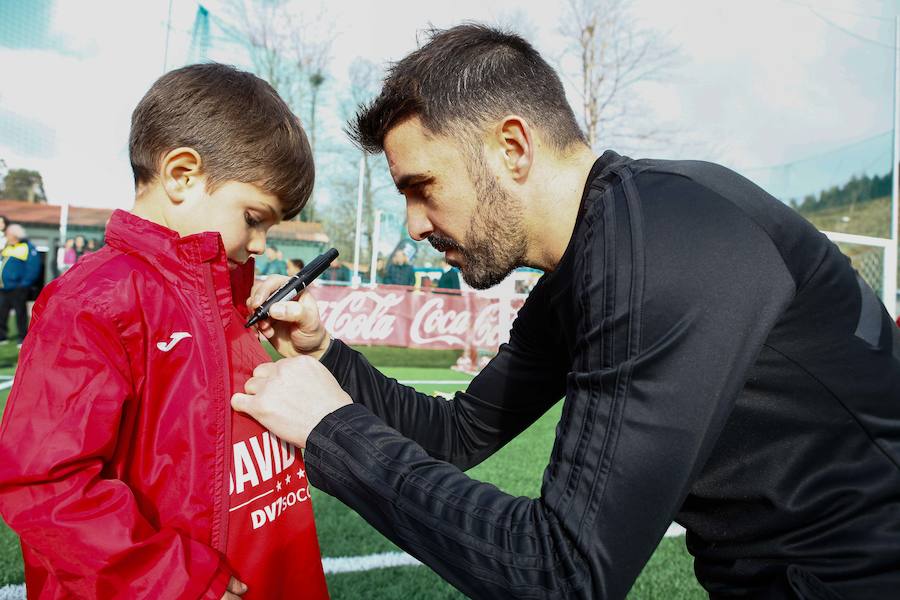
{"type": "Point", "coordinates": [611, 53]}
{"type": "Point", "coordinates": [22, 184]}
{"type": "Point", "coordinates": [289, 46]}
{"type": "Point", "coordinates": [365, 84]}
{"type": "Point", "coordinates": [342, 161]}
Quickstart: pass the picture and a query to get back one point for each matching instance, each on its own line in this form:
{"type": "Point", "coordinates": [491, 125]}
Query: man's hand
{"type": "Point", "coordinates": [294, 327]}
{"type": "Point", "coordinates": [234, 590]}
{"type": "Point", "coordinates": [290, 397]}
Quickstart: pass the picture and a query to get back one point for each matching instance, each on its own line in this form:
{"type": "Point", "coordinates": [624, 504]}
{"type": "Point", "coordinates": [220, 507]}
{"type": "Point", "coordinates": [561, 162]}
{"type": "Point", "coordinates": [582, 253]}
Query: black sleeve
{"type": "Point", "coordinates": [519, 385]}
{"type": "Point", "coordinates": [679, 293]}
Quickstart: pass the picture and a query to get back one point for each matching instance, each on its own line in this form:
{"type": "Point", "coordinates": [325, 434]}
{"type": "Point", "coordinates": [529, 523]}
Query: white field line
{"type": "Point", "coordinates": [355, 564]}
{"type": "Point", "coordinates": [12, 592]}
{"type": "Point", "coordinates": [344, 564]}
{"type": "Point", "coordinates": [3, 386]}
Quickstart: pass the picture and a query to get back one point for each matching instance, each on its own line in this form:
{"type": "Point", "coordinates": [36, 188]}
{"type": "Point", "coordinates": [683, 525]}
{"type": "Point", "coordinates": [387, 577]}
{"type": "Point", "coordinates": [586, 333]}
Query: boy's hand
{"type": "Point", "coordinates": [234, 590]}
{"type": "Point", "coordinates": [294, 327]}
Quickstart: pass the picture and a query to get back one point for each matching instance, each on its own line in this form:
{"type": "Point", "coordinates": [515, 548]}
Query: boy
{"type": "Point", "coordinates": [125, 472]}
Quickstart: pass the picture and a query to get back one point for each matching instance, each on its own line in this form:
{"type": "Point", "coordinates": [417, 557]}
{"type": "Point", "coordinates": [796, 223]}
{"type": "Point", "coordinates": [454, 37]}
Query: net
{"type": "Point", "coordinates": [875, 259]}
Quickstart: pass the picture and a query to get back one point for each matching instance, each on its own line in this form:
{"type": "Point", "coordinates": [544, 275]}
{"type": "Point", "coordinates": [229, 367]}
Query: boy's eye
{"type": "Point", "coordinates": [250, 220]}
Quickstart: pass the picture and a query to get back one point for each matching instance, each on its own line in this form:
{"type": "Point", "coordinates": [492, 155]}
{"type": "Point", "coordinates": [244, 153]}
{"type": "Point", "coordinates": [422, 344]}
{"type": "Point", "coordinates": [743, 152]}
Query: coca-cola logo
{"type": "Point", "coordinates": [402, 318]}
{"type": "Point", "coordinates": [360, 316]}
{"type": "Point", "coordinates": [432, 324]}
{"type": "Point", "coordinates": [486, 332]}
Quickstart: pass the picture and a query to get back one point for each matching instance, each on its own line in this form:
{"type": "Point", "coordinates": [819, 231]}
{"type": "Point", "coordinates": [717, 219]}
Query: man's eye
{"type": "Point", "coordinates": [250, 220]}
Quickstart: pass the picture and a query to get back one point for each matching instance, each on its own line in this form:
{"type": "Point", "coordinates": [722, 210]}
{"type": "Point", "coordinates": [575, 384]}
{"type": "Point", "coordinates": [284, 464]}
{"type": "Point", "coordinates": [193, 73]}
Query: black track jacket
{"type": "Point", "coordinates": [722, 365]}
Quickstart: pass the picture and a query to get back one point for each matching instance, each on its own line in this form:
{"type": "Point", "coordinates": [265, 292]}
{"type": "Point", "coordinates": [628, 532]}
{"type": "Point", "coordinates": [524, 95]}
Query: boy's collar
{"type": "Point", "coordinates": [132, 234]}
{"type": "Point", "coordinates": [129, 233]}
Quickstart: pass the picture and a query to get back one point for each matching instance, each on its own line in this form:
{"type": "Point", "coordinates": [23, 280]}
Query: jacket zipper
{"type": "Point", "coordinates": [220, 505]}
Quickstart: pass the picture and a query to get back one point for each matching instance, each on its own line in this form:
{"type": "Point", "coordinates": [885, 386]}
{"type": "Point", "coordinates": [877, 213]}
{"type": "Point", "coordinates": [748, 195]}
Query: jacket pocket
{"type": "Point", "coordinates": [807, 586]}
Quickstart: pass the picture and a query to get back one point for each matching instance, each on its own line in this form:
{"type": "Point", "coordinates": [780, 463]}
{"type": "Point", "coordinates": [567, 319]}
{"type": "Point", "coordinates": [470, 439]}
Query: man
{"type": "Point", "coordinates": [449, 279]}
{"type": "Point", "coordinates": [337, 272]}
{"type": "Point", "coordinates": [399, 271]}
{"type": "Point", "coordinates": [18, 272]}
{"type": "Point", "coordinates": [294, 266]}
{"type": "Point", "coordinates": [722, 365]}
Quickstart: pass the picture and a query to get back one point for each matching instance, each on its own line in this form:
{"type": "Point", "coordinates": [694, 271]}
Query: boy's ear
{"type": "Point", "coordinates": [179, 172]}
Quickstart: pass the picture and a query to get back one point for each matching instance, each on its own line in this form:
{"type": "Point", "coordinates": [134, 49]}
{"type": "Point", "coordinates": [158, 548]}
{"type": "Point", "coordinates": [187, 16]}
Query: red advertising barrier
{"type": "Point", "coordinates": [400, 316]}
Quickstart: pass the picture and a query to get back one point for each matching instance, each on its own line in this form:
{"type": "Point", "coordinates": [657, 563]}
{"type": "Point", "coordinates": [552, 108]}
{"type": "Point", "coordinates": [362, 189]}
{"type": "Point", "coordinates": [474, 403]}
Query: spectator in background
{"type": "Point", "coordinates": [449, 278]}
{"type": "Point", "coordinates": [380, 271]}
{"type": "Point", "coordinates": [275, 264]}
{"type": "Point", "coordinates": [91, 245]}
{"type": "Point", "coordinates": [338, 272]}
{"type": "Point", "coordinates": [3, 223]}
{"type": "Point", "coordinates": [400, 272]}
{"type": "Point", "coordinates": [18, 272]}
{"type": "Point", "coordinates": [66, 256]}
{"type": "Point", "coordinates": [80, 246]}
{"type": "Point", "coordinates": [294, 266]}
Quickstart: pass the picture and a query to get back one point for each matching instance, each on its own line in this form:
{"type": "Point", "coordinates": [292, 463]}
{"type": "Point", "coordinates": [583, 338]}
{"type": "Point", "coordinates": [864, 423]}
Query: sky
{"type": "Point", "coordinates": [795, 96]}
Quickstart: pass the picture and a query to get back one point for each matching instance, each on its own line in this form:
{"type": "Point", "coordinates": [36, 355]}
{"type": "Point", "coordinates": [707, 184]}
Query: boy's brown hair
{"type": "Point", "coordinates": [237, 122]}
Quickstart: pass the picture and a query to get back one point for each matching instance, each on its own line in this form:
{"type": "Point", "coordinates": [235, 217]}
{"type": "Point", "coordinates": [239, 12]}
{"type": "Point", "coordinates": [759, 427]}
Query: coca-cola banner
{"type": "Point", "coordinates": [400, 316]}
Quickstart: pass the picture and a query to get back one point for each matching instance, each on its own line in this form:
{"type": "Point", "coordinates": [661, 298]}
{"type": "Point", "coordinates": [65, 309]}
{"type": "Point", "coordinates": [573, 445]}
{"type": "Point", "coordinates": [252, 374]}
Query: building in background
{"type": "Point", "coordinates": [303, 240]}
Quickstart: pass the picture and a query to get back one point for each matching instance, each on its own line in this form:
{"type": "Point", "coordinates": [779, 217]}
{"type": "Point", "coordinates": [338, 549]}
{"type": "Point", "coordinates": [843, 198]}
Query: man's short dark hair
{"type": "Point", "coordinates": [237, 122]}
{"type": "Point", "coordinates": [466, 76]}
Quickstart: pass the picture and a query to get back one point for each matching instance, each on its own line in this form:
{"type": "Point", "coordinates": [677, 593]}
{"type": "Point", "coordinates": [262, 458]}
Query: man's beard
{"type": "Point", "coordinates": [495, 241]}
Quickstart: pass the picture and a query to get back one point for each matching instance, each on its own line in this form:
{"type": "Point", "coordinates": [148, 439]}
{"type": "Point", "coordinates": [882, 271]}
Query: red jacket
{"type": "Point", "coordinates": [101, 511]}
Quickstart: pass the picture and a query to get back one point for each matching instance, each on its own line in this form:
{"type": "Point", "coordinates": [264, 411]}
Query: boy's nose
{"type": "Point", "coordinates": [257, 245]}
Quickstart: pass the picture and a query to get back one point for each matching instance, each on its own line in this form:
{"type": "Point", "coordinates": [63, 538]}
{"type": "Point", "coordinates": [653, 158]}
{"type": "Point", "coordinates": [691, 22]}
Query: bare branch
{"type": "Point", "coordinates": [289, 45]}
{"type": "Point", "coordinates": [613, 53]}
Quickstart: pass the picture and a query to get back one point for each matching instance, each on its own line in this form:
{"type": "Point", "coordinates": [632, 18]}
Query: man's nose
{"type": "Point", "coordinates": [417, 222]}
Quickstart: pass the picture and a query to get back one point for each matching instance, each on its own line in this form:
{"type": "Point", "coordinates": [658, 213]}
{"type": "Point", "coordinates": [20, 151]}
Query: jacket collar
{"type": "Point", "coordinates": [179, 259]}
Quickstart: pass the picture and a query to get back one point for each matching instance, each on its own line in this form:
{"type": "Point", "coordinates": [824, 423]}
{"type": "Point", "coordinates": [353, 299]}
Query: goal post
{"type": "Point", "coordinates": [876, 261]}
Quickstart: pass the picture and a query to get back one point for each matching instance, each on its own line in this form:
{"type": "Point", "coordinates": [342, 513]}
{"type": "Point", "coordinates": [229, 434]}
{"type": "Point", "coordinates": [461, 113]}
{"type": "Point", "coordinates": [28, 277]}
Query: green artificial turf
{"type": "Point", "coordinates": [516, 469]}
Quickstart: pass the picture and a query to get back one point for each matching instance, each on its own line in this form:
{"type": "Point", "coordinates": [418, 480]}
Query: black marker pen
{"type": "Point", "coordinates": [295, 285]}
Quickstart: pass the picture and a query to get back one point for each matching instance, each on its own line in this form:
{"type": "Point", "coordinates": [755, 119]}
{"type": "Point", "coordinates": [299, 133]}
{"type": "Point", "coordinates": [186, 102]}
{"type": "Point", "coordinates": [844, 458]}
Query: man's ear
{"type": "Point", "coordinates": [179, 172]}
{"type": "Point", "coordinates": [516, 141]}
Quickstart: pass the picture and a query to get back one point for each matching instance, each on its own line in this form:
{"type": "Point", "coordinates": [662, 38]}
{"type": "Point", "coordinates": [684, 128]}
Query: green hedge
{"type": "Point", "coordinates": [392, 356]}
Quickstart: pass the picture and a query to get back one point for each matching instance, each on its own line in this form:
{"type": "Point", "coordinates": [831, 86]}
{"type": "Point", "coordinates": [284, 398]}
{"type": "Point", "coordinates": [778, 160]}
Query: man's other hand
{"type": "Point", "coordinates": [290, 397]}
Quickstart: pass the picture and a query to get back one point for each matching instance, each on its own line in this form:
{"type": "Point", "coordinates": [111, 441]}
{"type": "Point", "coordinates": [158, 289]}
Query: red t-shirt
{"type": "Point", "coordinates": [272, 544]}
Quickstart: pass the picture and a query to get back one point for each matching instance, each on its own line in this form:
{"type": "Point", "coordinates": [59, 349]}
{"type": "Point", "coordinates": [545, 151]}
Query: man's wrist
{"type": "Point", "coordinates": [323, 348]}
